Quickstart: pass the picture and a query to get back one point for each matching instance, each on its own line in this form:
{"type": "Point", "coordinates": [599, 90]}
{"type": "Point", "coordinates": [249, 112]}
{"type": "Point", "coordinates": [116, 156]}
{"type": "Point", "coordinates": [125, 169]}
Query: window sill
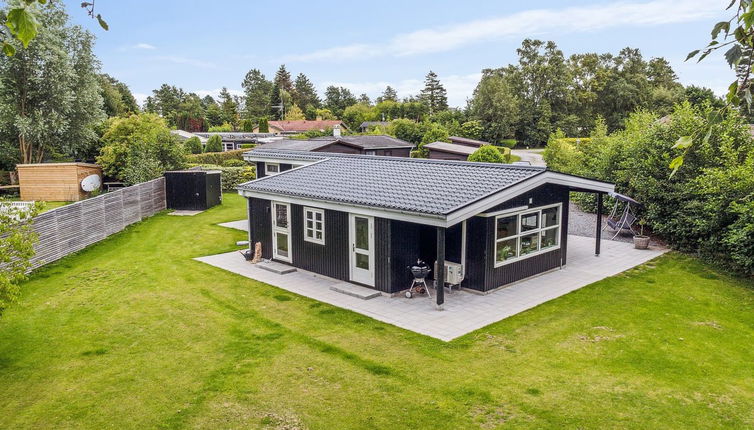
{"type": "Point", "coordinates": [525, 257]}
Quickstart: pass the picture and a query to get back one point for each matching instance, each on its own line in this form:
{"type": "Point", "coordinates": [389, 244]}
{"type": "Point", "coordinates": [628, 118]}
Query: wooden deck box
{"type": "Point", "coordinates": [55, 182]}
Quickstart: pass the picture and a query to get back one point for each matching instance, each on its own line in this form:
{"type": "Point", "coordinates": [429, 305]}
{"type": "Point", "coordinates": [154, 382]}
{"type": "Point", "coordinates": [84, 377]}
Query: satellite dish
{"type": "Point", "coordinates": [91, 183]}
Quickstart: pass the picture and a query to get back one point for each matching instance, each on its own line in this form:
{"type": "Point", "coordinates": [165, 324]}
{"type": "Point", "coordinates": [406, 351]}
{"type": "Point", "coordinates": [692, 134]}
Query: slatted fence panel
{"type": "Point", "coordinates": [71, 228]}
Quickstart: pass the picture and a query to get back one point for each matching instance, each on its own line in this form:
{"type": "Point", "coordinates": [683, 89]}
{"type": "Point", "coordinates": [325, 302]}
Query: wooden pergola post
{"type": "Point", "coordinates": [440, 267]}
{"type": "Point", "coordinates": [598, 234]}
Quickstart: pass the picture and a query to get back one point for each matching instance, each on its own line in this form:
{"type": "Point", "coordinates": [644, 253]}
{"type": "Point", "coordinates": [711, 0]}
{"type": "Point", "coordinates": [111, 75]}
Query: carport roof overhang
{"type": "Point", "coordinates": [455, 216]}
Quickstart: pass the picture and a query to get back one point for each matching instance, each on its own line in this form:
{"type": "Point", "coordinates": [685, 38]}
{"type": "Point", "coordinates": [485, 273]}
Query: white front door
{"type": "Point", "coordinates": [281, 231]}
{"type": "Point", "coordinates": [361, 235]}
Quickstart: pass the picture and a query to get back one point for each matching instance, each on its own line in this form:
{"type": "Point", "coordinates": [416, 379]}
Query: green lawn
{"type": "Point", "coordinates": [132, 333]}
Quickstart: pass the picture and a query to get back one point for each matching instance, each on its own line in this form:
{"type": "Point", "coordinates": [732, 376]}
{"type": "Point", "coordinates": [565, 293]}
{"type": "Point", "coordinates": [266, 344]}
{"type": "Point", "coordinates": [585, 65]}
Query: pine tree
{"type": "Point", "coordinates": [388, 94]}
{"type": "Point", "coordinates": [282, 81]}
{"type": "Point", "coordinates": [257, 90]}
{"type": "Point", "coordinates": [304, 94]}
{"type": "Point", "coordinates": [364, 99]}
{"type": "Point", "coordinates": [434, 95]}
{"type": "Point", "coordinates": [228, 107]}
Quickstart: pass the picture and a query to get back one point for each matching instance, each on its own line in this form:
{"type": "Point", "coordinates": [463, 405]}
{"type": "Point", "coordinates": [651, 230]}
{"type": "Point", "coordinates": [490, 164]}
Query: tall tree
{"type": "Point", "coordinates": [229, 107]}
{"type": "Point", "coordinates": [283, 82]}
{"type": "Point", "coordinates": [50, 95]}
{"type": "Point", "coordinates": [304, 94]}
{"type": "Point", "coordinates": [337, 99]}
{"type": "Point", "coordinates": [434, 95]}
{"type": "Point", "coordinates": [364, 99]}
{"type": "Point", "coordinates": [257, 90]}
{"type": "Point", "coordinates": [495, 105]}
{"type": "Point", "coordinates": [116, 96]}
{"type": "Point", "coordinates": [388, 95]}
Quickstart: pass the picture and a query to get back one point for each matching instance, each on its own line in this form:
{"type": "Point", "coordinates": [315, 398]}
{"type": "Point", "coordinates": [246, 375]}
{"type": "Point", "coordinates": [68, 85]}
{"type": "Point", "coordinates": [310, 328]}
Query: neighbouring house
{"type": "Point", "coordinates": [183, 135]}
{"type": "Point", "coordinates": [302, 126]}
{"type": "Point", "coordinates": [381, 145]}
{"type": "Point", "coordinates": [366, 219]}
{"type": "Point", "coordinates": [231, 140]}
{"type": "Point", "coordinates": [55, 181]}
{"type": "Point", "coordinates": [235, 139]}
{"type": "Point", "coordinates": [449, 151]}
{"type": "Point", "coordinates": [467, 142]}
{"type": "Point", "coordinates": [366, 125]}
{"type": "Point", "coordinates": [459, 148]}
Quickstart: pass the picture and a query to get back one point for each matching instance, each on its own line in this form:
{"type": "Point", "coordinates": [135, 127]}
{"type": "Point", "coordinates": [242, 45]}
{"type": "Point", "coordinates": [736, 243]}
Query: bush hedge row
{"type": "Point", "coordinates": [216, 158]}
{"type": "Point", "coordinates": [706, 207]}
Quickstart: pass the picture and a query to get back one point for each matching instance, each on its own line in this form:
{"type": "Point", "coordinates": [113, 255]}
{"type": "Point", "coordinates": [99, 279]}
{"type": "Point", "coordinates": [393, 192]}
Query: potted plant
{"type": "Point", "coordinates": [641, 241]}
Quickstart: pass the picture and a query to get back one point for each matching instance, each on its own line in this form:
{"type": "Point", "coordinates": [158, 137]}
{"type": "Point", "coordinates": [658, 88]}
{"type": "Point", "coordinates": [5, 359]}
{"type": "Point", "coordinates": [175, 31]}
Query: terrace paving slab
{"type": "Point", "coordinates": [463, 312]}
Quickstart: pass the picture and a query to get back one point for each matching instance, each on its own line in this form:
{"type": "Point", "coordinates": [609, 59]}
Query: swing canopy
{"type": "Point", "coordinates": [624, 198]}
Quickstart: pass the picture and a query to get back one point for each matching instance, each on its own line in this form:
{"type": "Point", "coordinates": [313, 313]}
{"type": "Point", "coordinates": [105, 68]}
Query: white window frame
{"type": "Point", "coordinates": [267, 169]}
{"type": "Point", "coordinates": [314, 229]}
{"type": "Point", "coordinates": [539, 230]}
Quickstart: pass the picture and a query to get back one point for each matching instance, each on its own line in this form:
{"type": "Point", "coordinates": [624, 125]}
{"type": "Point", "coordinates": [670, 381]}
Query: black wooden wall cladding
{"type": "Point", "coordinates": [496, 277]}
{"type": "Point", "coordinates": [260, 225]}
{"type": "Point", "coordinates": [330, 259]}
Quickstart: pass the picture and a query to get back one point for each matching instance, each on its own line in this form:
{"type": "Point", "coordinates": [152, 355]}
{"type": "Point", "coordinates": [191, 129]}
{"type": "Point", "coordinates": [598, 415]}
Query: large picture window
{"type": "Point", "coordinates": [526, 233]}
{"type": "Point", "coordinates": [314, 225]}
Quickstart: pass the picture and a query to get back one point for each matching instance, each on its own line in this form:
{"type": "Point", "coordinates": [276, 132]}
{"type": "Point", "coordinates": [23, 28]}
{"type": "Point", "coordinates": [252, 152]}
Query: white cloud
{"type": "Point", "coordinates": [144, 46]}
{"type": "Point", "coordinates": [186, 61]}
{"type": "Point", "coordinates": [140, 98]}
{"type": "Point", "coordinates": [459, 87]}
{"type": "Point", "coordinates": [216, 92]}
{"type": "Point", "coordinates": [522, 24]}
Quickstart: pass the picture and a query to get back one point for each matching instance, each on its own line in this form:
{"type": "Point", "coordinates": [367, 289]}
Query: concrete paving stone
{"type": "Point", "coordinates": [464, 311]}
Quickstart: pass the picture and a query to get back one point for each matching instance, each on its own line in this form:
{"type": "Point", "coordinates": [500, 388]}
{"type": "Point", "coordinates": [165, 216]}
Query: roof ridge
{"type": "Point", "coordinates": [399, 159]}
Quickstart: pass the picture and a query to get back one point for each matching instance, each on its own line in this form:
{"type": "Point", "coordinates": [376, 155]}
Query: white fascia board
{"type": "Point", "coordinates": [252, 158]}
{"type": "Point", "coordinates": [426, 219]}
{"type": "Point", "coordinates": [453, 218]}
{"type": "Point", "coordinates": [546, 177]}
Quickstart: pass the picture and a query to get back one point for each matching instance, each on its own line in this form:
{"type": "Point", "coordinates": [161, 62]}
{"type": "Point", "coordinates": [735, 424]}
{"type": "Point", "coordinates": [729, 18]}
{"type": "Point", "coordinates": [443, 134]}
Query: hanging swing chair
{"type": "Point", "coordinates": [622, 217]}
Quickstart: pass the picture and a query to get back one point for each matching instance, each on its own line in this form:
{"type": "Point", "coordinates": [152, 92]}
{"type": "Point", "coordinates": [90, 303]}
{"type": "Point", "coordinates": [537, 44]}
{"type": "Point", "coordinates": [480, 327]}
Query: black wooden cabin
{"type": "Point", "coordinates": [365, 219]}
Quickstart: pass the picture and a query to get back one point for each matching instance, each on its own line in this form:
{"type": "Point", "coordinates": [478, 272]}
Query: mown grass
{"type": "Point", "coordinates": [133, 333]}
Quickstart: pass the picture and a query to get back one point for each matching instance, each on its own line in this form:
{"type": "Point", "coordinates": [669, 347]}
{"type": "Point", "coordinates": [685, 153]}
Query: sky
{"type": "Point", "coordinates": [202, 46]}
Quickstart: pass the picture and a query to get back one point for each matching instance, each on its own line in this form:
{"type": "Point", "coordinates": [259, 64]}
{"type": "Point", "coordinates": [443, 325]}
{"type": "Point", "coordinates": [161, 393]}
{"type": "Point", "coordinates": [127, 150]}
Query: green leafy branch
{"type": "Point", "coordinates": [21, 23]}
{"type": "Point", "coordinates": [740, 43]}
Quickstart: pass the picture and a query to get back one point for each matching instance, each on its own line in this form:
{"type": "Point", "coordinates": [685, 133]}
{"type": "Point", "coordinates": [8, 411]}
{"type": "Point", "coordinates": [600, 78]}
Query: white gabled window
{"type": "Point", "coordinates": [527, 233]}
{"type": "Point", "coordinates": [314, 225]}
{"type": "Point", "coordinates": [271, 169]}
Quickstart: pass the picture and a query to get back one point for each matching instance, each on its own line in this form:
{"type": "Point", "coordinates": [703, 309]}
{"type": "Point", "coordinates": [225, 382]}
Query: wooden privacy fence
{"type": "Point", "coordinates": [71, 228]}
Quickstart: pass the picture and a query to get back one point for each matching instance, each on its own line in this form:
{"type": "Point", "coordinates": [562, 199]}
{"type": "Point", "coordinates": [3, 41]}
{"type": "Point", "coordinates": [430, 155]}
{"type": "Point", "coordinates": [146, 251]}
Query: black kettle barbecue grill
{"type": "Point", "coordinates": [420, 271]}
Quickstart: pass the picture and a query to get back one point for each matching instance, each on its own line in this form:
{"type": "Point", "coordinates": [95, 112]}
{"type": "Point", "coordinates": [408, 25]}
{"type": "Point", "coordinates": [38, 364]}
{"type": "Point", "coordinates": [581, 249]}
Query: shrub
{"type": "Point", "coordinates": [705, 208]}
{"type": "Point", "coordinates": [231, 177]}
{"type": "Point", "coordinates": [264, 125]}
{"type": "Point", "coordinates": [142, 166]}
{"type": "Point", "coordinates": [214, 144]}
{"type": "Point", "coordinates": [247, 125]}
{"type": "Point", "coordinates": [193, 145]}
{"type": "Point", "coordinates": [508, 143]}
{"type": "Point", "coordinates": [433, 133]}
{"type": "Point", "coordinates": [144, 133]}
{"type": "Point", "coordinates": [487, 154]}
{"type": "Point", "coordinates": [225, 127]}
{"type": "Point", "coordinates": [247, 145]}
{"type": "Point", "coordinates": [233, 162]}
{"type": "Point", "coordinates": [216, 158]}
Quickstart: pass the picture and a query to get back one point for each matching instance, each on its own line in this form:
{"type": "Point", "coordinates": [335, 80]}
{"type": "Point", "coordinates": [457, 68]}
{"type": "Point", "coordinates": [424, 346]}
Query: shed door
{"type": "Point", "coordinates": [281, 231]}
{"type": "Point", "coordinates": [361, 235]}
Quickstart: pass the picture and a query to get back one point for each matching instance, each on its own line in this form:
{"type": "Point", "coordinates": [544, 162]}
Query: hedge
{"type": "Point", "coordinates": [508, 143]}
{"type": "Point", "coordinates": [216, 158]}
{"type": "Point", "coordinates": [231, 176]}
